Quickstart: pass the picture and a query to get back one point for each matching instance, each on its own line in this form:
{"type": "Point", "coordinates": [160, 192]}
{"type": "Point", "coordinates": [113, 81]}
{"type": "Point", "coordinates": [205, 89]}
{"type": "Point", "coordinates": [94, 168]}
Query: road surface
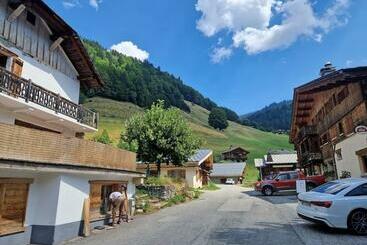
{"type": "Point", "coordinates": [231, 215]}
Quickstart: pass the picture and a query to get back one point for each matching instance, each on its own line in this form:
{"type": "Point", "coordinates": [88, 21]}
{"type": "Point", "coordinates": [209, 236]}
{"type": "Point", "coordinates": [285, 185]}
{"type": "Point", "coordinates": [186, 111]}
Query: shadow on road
{"type": "Point", "coordinates": [277, 198]}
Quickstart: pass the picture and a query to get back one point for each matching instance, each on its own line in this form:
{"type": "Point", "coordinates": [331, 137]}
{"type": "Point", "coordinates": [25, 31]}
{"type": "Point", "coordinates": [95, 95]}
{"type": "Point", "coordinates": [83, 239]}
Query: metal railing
{"type": "Point", "coordinates": [16, 86]}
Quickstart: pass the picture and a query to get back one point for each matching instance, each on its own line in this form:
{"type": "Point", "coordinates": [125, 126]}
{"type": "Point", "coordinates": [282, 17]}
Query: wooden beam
{"type": "Point", "coordinates": [14, 15]}
{"type": "Point", "coordinates": [57, 43]}
{"type": "Point", "coordinates": [16, 181]}
{"type": "Point", "coordinates": [86, 217]}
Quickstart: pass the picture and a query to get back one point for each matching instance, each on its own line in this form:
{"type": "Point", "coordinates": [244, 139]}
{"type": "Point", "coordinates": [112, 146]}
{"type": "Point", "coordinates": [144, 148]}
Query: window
{"type": "Point", "coordinates": [294, 175]}
{"type": "Point", "coordinates": [176, 173]}
{"type": "Point", "coordinates": [13, 204]}
{"type": "Point", "coordinates": [342, 95]}
{"type": "Point", "coordinates": [283, 177]}
{"type": "Point", "coordinates": [3, 61]}
{"type": "Point", "coordinates": [31, 18]}
{"type": "Point", "coordinates": [364, 163]}
{"type": "Point", "coordinates": [359, 191]}
{"type": "Point", "coordinates": [331, 187]}
{"type": "Point", "coordinates": [339, 155]}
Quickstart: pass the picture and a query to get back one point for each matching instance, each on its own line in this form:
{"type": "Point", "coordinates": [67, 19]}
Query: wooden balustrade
{"type": "Point", "coordinates": [16, 86]}
{"type": "Point", "coordinates": [24, 144]}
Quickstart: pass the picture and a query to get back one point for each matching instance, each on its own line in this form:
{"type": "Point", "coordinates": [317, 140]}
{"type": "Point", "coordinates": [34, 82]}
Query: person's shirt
{"type": "Point", "coordinates": [116, 195]}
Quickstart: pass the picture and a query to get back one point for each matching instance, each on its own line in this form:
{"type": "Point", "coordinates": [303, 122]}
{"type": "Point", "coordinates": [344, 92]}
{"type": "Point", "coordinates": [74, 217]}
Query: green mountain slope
{"type": "Point", "coordinates": [276, 116]}
{"type": "Point", "coordinates": [113, 115]}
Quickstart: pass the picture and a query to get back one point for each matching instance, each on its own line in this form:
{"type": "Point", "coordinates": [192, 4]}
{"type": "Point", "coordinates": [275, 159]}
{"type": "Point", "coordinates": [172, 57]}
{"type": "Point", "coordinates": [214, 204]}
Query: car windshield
{"type": "Point", "coordinates": [331, 188]}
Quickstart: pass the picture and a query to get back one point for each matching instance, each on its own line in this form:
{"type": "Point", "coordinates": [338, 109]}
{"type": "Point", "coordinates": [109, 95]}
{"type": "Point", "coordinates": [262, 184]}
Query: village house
{"type": "Point", "coordinates": [275, 161]}
{"type": "Point", "coordinates": [236, 154]}
{"type": "Point", "coordinates": [328, 123]}
{"type": "Point", "coordinates": [52, 182]}
{"type": "Point", "coordinates": [195, 171]}
{"type": "Point", "coordinates": [223, 171]}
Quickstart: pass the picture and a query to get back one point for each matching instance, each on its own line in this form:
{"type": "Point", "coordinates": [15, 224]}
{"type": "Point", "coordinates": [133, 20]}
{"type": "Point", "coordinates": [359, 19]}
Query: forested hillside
{"type": "Point", "coordinates": [275, 117]}
{"type": "Point", "coordinates": [128, 79]}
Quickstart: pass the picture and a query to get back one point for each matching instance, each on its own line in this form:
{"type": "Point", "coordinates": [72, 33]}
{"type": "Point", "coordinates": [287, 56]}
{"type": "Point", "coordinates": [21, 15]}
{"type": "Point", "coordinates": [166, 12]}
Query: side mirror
{"type": "Point", "coordinates": [276, 179]}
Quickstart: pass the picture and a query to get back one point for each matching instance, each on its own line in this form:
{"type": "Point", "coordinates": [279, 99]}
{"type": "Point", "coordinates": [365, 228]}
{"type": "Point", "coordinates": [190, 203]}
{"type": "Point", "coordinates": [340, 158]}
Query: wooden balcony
{"type": "Point", "coordinates": [310, 157]}
{"type": "Point", "coordinates": [30, 145]}
{"type": "Point", "coordinates": [18, 87]}
{"type": "Point", "coordinates": [338, 112]}
{"type": "Point", "coordinates": [305, 132]}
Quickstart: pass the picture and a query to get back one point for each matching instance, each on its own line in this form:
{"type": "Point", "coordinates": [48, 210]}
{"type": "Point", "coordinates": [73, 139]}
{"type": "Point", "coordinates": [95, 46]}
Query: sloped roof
{"type": "Point", "coordinates": [228, 169]}
{"type": "Point", "coordinates": [200, 156]}
{"type": "Point", "coordinates": [259, 162]}
{"type": "Point", "coordinates": [72, 44]}
{"type": "Point", "coordinates": [283, 158]}
{"type": "Point", "coordinates": [235, 148]}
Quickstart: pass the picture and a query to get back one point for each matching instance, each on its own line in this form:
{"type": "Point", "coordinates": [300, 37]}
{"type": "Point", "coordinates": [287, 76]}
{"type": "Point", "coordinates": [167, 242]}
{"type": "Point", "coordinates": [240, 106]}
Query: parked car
{"type": "Point", "coordinates": [285, 181]}
{"type": "Point", "coordinates": [230, 181]}
{"type": "Point", "coordinates": [339, 204]}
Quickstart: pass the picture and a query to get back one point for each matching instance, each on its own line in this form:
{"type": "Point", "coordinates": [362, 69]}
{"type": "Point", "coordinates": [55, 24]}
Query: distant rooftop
{"type": "Point", "coordinates": [228, 169]}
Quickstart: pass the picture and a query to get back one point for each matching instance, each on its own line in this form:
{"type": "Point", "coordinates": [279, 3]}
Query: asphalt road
{"type": "Point", "coordinates": [232, 215]}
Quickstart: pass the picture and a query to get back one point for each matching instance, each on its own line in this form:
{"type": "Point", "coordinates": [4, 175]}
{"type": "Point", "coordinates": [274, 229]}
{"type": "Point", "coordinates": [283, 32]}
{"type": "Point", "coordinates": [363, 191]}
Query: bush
{"type": "Point", "coordinates": [178, 198]}
{"type": "Point", "coordinates": [103, 138]}
{"type": "Point", "coordinates": [159, 181]}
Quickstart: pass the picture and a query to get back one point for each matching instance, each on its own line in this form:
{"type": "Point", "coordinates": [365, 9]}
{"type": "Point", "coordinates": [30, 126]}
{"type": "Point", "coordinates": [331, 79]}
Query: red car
{"type": "Point", "coordinates": [284, 181]}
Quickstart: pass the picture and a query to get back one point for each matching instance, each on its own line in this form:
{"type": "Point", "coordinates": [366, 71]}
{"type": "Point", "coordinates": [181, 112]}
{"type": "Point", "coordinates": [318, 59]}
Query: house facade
{"type": "Point", "coordinates": [327, 113]}
{"type": "Point", "coordinates": [275, 161]}
{"type": "Point", "coordinates": [237, 154]}
{"type": "Point", "coordinates": [195, 171]}
{"type": "Point", "coordinates": [223, 171]}
{"type": "Point", "coordinates": [53, 183]}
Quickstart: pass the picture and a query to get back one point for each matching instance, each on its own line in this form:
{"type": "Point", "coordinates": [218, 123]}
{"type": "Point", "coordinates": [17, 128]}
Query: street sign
{"type": "Point", "coordinates": [301, 186]}
{"type": "Point", "coordinates": [361, 129]}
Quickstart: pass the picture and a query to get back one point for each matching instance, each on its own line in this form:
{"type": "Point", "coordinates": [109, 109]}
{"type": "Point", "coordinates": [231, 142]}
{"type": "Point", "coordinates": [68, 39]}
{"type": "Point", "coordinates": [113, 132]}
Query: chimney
{"type": "Point", "coordinates": [327, 69]}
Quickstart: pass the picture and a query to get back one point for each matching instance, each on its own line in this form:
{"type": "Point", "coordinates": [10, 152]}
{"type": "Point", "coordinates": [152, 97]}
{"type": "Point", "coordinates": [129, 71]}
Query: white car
{"type": "Point", "coordinates": [338, 204]}
{"type": "Point", "coordinates": [230, 181]}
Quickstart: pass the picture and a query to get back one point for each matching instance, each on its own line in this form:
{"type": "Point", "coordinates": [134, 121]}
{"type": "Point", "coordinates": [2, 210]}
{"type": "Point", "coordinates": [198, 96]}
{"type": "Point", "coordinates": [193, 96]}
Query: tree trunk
{"type": "Point", "coordinates": [158, 168]}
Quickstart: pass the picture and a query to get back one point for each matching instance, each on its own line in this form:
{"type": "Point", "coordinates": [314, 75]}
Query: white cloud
{"type": "Point", "coordinates": [348, 63]}
{"type": "Point", "coordinates": [249, 21]}
{"type": "Point", "coordinates": [220, 54]}
{"type": "Point", "coordinates": [95, 3]}
{"type": "Point", "coordinates": [130, 49]}
{"type": "Point", "coordinates": [68, 4]}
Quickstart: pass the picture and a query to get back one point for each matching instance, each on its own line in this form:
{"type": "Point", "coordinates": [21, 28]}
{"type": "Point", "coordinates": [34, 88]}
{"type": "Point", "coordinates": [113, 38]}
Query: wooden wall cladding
{"type": "Point", "coordinates": [13, 205]}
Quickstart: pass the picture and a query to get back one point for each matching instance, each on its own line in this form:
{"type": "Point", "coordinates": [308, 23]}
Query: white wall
{"type": "Point", "coordinates": [48, 77]}
{"type": "Point", "coordinates": [6, 117]}
{"type": "Point", "coordinates": [56, 199]}
{"type": "Point", "coordinates": [350, 161]}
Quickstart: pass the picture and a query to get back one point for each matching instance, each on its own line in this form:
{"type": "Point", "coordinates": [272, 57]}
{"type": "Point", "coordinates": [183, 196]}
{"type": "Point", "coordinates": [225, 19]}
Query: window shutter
{"type": "Point", "coordinates": [17, 66]}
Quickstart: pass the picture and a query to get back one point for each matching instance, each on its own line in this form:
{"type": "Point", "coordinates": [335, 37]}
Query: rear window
{"type": "Point", "coordinates": [331, 188]}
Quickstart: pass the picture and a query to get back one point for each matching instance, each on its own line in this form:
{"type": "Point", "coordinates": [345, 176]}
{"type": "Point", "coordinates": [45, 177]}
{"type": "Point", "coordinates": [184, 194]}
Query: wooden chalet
{"type": "Point", "coordinates": [326, 113]}
{"type": "Point", "coordinates": [235, 154]}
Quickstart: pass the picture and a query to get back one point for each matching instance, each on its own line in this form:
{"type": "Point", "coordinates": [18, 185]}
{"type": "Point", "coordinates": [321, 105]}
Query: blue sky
{"type": "Point", "coordinates": [241, 57]}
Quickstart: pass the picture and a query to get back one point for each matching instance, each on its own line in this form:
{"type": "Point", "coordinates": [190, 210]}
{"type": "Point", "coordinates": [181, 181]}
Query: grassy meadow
{"type": "Point", "coordinates": [113, 114]}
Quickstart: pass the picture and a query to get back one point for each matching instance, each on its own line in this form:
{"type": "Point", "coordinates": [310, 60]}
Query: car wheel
{"type": "Point", "coordinates": [357, 222]}
{"type": "Point", "coordinates": [268, 191]}
{"type": "Point", "coordinates": [310, 186]}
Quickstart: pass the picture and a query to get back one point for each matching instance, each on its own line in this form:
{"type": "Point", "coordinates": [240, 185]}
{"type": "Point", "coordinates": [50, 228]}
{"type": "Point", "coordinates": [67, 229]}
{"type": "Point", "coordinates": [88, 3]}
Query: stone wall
{"type": "Point", "coordinates": [161, 192]}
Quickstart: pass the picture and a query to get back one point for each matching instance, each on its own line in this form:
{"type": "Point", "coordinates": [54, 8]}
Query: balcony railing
{"type": "Point", "coordinates": [309, 157]}
{"type": "Point", "coordinates": [306, 131]}
{"type": "Point", "coordinates": [31, 145]}
{"type": "Point", "coordinates": [18, 87]}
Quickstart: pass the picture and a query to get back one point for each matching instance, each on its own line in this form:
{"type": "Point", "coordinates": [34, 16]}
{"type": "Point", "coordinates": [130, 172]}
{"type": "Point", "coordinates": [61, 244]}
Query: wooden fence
{"type": "Point", "coordinates": [25, 144]}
